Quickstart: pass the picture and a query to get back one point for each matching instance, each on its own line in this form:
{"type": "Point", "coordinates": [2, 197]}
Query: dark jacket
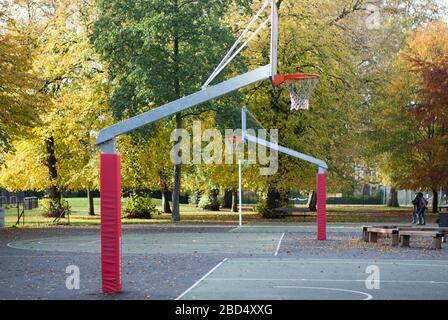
{"type": "Point", "coordinates": [422, 203]}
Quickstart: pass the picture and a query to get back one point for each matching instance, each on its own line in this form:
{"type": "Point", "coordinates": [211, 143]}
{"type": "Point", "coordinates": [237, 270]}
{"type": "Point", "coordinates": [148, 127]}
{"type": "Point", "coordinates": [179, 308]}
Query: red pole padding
{"type": "Point", "coordinates": [110, 192]}
{"type": "Point", "coordinates": [321, 206]}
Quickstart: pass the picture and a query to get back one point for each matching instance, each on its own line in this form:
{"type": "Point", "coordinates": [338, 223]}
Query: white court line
{"type": "Point", "coordinates": [90, 242]}
{"type": "Point", "coordinates": [10, 244]}
{"type": "Point", "coordinates": [32, 241]}
{"type": "Point", "coordinates": [297, 226]}
{"type": "Point", "coordinates": [334, 261]}
{"type": "Point", "coordinates": [327, 280]}
{"type": "Point", "coordinates": [368, 296]}
{"type": "Point", "coordinates": [50, 241]}
{"type": "Point", "coordinates": [200, 280]}
{"type": "Point", "coordinates": [236, 244]}
{"type": "Point", "coordinates": [279, 244]}
{"type": "Point", "coordinates": [311, 227]}
{"type": "Point", "coordinates": [53, 256]}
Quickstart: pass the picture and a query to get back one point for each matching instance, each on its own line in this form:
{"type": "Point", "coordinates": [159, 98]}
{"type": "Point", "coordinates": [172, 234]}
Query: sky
{"type": "Point", "coordinates": [444, 2]}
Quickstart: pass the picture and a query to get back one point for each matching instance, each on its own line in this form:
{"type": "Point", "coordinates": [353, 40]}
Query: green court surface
{"type": "Point", "coordinates": [251, 239]}
{"type": "Point", "coordinates": [293, 228]}
{"type": "Point", "coordinates": [255, 262]}
{"type": "Point", "coordinates": [156, 242]}
{"type": "Point", "coordinates": [270, 279]}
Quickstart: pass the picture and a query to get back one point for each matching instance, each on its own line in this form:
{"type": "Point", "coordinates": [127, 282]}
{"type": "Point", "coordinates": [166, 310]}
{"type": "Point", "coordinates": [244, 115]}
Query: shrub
{"type": "Point", "coordinates": [209, 201]}
{"type": "Point", "coordinates": [140, 207]}
{"type": "Point", "coordinates": [266, 212]}
{"type": "Point", "coordinates": [193, 199]}
{"type": "Point", "coordinates": [53, 209]}
{"type": "Point", "coordinates": [355, 200]}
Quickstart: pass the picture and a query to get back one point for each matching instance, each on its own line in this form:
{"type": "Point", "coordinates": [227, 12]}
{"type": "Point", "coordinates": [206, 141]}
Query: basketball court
{"type": "Point", "coordinates": [272, 261]}
{"type": "Point", "coordinates": [300, 86]}
{"type": "Point", "coordinates": [189, 262]}
{"type": "Point", "coordinates": [166, 243]}
{"type": "Point", "coordinates": [307, 279]}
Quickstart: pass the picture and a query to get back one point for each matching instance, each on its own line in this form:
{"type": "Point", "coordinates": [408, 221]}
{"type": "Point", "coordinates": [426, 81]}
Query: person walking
{"type": "Point", "coordinates": [422, 203]}
{"type": "Point", "coordinates": [415, 210]}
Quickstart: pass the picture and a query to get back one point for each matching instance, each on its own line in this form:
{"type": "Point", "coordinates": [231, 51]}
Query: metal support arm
{"type": "Point", "coordinates": [320, 163]}
{"type": "Point", "coordinates": [182, 104]}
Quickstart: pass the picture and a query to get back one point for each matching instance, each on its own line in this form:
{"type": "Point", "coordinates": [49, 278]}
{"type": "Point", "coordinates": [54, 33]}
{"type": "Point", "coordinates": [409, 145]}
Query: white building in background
{"type": "Point", "coordinates": [406, 196]}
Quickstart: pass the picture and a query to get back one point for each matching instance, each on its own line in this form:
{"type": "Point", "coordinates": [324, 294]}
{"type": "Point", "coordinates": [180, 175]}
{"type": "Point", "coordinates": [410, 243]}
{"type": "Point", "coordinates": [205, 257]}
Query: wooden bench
{"type": "Point", "coordinates": [370, 234]}
{"type": "Point", "coordinates": [437, 236]}
{"type": "Point", "coordinates": [304, 212]}
{"type": "Point", "coordinates": [444, 231]}
{"type": "Point", "coordinates": [365, 233]}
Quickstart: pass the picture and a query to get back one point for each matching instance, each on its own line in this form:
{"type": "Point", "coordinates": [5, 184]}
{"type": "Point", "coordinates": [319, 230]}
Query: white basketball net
{"type": "Point", "coordinates": [300, 92]}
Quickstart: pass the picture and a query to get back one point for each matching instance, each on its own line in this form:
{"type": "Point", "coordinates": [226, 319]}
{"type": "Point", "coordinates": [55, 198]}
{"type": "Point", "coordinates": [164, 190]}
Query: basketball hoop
{"type": "Point", "coordinates": [234, 139]}
{"type": "Point", "coordinates": [300, 87]}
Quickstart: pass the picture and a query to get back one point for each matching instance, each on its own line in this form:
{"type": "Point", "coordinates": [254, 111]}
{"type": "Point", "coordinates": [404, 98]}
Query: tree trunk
{"type": "Point", "coordinates": [234, 200]}
{"type": "Point", "coordinates": [276, 199]}
{"type": "Point", "coordinates": [273, 199]}
{"type": "Point", "coordinates": [393, 200]}
{"type": "Point", "coordinates": [284, 198]}
{"type": "Point", "coordinates": [214, 200]}
{"type": "Point", "coordinates": [165, 200]}
{"type": "Point", "coordinates": [228, 199]}
{"type": "Point", "coordinates": [54, 191]}
{"type": "Point", "coordinates": [435, 201]}
{"type": "Point", "coordinates": [312, 202]}
{"type": "Point", "coordinates": [91, 205]}
{"type": "Point", "coordinates": [177, 173]}
{"type": "Point", "coordinates": [177, 168]}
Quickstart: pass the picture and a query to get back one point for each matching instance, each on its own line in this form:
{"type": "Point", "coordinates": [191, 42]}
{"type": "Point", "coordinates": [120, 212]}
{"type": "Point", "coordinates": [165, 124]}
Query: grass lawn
{"type": "Point", "coordinates": [189, 213]}
{"type": "Point", "coordinates": [79, 215]}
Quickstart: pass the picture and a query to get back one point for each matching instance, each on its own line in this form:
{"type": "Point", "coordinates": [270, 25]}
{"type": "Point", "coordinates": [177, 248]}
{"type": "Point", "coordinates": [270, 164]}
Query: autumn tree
{"type": "Point", "coordinates": [387, 86]}
{"type": "Point", "coordinates": [219, 173]}
{"type": "Point", "coordinates": [146, 162]}
{"type": "Point", "coordinates": [427, 59]}
{"type": "Point", "coordinates": [315, 37]}
{"type": "Point", "coordinates": [159, 51]}
{"type": "Point", "coordinates": [73, 85]}
{"type": "Point", "coordinates": [17, 82]}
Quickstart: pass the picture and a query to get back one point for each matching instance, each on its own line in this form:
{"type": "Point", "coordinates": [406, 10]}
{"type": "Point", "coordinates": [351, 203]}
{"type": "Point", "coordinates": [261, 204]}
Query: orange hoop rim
{"type": "Point", "coordinates": [279, 79]}
{"type": "Point", "coordinates": [234, 139]}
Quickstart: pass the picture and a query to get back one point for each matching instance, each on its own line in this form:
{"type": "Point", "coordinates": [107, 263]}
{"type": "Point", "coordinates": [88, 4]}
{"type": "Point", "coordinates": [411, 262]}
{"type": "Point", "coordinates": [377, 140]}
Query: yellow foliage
{"type": "Point", "coordinates": [74, 87]}
{"type": "Point", "coordinates": [430, 42]}
{"type": "Point", "coordinates": [17, 81]}
{"type": "Point", "coordinates": [24, 168]}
